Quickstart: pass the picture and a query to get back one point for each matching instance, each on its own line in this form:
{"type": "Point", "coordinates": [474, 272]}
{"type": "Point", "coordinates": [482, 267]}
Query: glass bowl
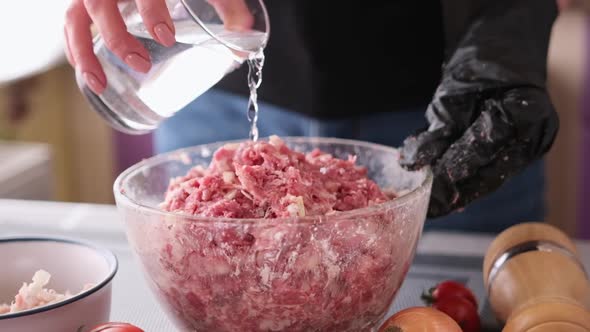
{"type": "Point", "coordinates": [339, 272]}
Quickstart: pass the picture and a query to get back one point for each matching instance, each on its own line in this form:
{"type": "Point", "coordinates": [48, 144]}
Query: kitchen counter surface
{"type": "Point", "coordinates": [440, 256]}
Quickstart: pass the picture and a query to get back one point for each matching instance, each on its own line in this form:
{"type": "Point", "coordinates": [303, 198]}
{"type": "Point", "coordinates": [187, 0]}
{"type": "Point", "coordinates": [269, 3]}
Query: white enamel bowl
{"type": "Point", "coordinates": [72, 265]}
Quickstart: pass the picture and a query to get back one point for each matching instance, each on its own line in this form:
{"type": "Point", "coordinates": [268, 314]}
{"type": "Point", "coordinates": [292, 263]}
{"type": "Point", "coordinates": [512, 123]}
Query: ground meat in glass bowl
{"type": "Point", "coordinates": [294, 234]}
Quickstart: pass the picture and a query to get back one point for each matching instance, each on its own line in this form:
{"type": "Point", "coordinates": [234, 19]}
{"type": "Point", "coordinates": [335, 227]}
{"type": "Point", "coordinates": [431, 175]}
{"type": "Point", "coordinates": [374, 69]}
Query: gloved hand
{"type": "Point", "coordinates": [491, 115]}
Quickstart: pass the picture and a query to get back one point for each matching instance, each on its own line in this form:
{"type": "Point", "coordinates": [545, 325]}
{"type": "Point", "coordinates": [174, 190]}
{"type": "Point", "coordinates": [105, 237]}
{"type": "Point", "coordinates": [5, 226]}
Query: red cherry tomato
{"type": "Point", "coordinates": [461, 311]}
{"type": "Point", "coordinates": [116, 327]}
{"type": "Point", "coordinates": [446, 289]}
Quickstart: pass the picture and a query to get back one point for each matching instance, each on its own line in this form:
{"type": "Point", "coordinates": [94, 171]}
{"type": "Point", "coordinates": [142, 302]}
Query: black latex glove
{"type": "Point", "coordinates": [491, 115]}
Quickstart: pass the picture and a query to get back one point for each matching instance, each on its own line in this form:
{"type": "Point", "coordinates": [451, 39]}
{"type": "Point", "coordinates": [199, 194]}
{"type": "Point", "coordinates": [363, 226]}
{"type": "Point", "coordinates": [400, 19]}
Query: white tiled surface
{"type": "Point", "coordinates": [134, 303]}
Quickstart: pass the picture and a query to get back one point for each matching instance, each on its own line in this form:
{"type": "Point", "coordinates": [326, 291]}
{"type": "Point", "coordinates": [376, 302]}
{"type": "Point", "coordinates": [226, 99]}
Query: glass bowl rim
{"type": "Point", "coordinates": [122, 199]}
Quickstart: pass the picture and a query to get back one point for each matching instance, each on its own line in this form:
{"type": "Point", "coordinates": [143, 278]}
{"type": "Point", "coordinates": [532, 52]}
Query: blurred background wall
{"type": "Point", "coordinates": [568, 168]}
{"type": "Point", "coordinates": [53, 147]}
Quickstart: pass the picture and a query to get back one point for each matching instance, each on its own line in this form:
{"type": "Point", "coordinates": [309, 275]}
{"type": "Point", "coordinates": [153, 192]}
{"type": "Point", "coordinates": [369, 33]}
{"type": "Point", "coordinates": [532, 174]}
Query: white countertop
{"type": "Point", "coordinates": [103, 219]}
{"type": "Point", "coordinates": [101, 224]}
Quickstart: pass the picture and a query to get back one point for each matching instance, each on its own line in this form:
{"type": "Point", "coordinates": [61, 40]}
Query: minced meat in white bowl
{"type": "Point", "coordinates": [54, 284]}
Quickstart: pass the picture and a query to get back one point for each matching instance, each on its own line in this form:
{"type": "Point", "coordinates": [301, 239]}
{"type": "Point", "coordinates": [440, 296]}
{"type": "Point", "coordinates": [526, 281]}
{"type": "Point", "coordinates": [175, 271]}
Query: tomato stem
{"type": "Point", "coordinates": [427, 296]}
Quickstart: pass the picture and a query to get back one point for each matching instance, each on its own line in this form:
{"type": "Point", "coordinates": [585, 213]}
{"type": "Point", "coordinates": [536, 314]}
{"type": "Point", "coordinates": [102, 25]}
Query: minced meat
{"type": "Point", "coordinates": [269, 180]}
{"type": "Point", "coordinates": [336, 272]}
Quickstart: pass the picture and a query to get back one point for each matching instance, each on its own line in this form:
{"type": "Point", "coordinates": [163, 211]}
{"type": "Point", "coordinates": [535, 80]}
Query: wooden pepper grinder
{"type": "Point", "coordinates": [536, 282]}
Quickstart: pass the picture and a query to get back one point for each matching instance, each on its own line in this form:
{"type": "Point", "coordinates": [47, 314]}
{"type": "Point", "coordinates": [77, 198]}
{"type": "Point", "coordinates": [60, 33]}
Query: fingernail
{"type": "Point", "coordinates": [93, 82]}
{"type": "Point", "coordinates": [164, 34]}
{"type": "Point", "coordinates": [138, 62]}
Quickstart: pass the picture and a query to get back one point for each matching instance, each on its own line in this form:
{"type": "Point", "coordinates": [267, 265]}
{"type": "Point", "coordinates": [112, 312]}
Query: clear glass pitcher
{"type": "Point", "coordinates": [204, 52]}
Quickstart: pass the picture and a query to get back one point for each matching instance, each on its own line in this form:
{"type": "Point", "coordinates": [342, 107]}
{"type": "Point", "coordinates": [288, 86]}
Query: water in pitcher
{"type": "Point", "coordinates": [179, 74]}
